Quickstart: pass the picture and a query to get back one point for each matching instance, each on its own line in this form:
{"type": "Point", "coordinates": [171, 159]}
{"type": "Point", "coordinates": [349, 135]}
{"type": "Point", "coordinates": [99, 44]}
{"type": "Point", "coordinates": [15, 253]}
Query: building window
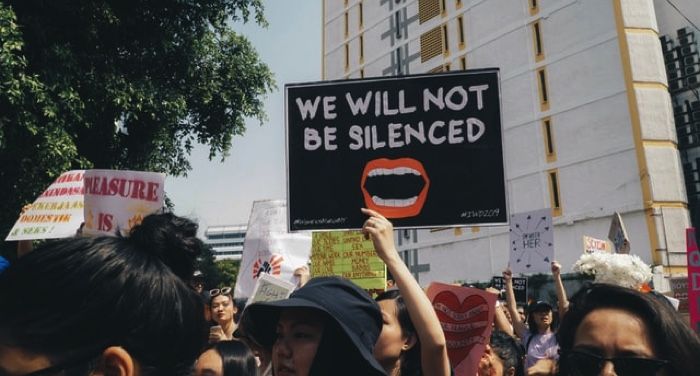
{"type": "Point", "coordinates": [362, 73]}
{"type": "Point", "coordinates": [542, 86]}
{"type": "Point", "coordinates": [458, 4]}
{"type": "Point", "coordinates": [537, 38]}
{"type": "Point", "coordinates": [428, 9]}
{"type": "Point", "coordinates": [460, 25]}
{"type": "Point", "coordinates": [534, 7]}
{"type": "Point", "coordinates": [554, 194]}
{"type": "Point", "coordinates": [430, 44]}
{"type": "Point", "coordinates": [397, 19]}
{"type": "Point", "coordinates": [550, 151]}
{"type": "Point", "coordinates": [443, 7]}
{"type": "Point", "coordinates": [463, 62]}
{"type": "Point", "coordinates": [362, 49]}
{"type": "Point", "coordinates": [398, 61]}
{"type": "Point", "coordinates": [347, 56]}
{"type": "Point", "coordinates": [361, 16]}
{"type": "Point", "coordinates": [346, 24]}
{"type": "Point", "coordinates": [445, 42]}
{"type": "Point", "coordinates": [448, 66]}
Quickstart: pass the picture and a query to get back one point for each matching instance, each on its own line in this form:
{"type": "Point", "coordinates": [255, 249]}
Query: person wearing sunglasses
{"type": "Point", "coordinates": [105, 305]}
{"type": "Point", "coordinates": [612, 330]}
{"type": "Point", "coordinates": [223, 311]}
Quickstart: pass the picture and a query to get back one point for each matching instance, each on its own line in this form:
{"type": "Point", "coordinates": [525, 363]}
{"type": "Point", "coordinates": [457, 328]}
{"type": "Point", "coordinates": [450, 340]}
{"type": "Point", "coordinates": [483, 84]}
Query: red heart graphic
{"type": "Point", "coordinates": [464, 323]}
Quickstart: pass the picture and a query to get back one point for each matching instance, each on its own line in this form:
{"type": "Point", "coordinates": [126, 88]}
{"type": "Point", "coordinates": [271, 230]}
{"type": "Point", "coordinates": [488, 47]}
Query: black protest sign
{"type": "Point", "coordinates": [424, 151]}
{"type": "Point", "coordinates": [519, 287]}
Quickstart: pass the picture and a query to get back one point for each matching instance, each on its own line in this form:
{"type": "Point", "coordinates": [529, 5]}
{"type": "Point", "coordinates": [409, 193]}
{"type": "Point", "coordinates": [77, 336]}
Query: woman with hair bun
{"type": "Point", "coordinates": [105, 305]}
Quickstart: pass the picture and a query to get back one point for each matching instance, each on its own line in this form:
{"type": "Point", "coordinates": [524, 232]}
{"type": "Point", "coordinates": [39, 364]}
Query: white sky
{"type": "Point", "coordinates": [216, 193]}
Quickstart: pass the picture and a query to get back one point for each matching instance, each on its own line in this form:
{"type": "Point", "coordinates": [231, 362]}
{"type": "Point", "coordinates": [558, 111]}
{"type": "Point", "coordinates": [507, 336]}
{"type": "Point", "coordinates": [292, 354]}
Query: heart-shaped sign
{"type": "Point", "coordinates": [466, 315]}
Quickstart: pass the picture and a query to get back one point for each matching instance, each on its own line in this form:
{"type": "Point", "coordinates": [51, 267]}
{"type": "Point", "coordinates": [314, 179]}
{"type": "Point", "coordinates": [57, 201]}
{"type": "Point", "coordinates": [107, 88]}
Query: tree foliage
{"type": "Point", "coordinates": [217, 273]}
{"type": "Point", "coordinates": [120, 84]}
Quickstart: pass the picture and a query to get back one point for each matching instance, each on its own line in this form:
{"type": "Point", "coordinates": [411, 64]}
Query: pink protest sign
{"type": "Point", "coordinates": [693, 279]}
{"type": "Point", "coordinates": [466, 315]}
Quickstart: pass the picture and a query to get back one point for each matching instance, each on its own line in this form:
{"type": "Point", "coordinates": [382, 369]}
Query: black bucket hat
{"type": "Point", "coordinates": [356, 314]}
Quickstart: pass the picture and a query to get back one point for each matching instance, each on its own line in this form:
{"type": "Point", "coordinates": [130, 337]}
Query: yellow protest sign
{"type": "Point", "coordinates": [347, 254]}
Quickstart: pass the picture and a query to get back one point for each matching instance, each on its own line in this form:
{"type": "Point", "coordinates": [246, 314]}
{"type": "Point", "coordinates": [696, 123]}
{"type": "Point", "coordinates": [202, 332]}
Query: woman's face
{"type": "Point", "coordinates": [222, 309]}
{"type": "Point", "coordinates": [209, 364]}
{"type": "Point", "coordinates": [391, 341]}
{"type": "Point", "coordinates": [299, 332]}
{"type": "Point", "coordinates": [490, 364]}
{"type": "Point", "coordinates": [613, 332]}
{"type": "Point", "coordinates": [543, 319]}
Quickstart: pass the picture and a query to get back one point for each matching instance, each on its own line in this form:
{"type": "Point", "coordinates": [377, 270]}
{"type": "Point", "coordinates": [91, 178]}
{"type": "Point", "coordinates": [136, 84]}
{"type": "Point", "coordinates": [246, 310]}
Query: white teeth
{"type": "Point", "coordinates": [393, 171]}
{"type": "Point", "coordinates": [394, 203]}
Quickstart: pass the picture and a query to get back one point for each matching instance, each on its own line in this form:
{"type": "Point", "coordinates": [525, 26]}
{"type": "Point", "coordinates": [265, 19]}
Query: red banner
{"type": "Point", "coordinates": [693, 279]}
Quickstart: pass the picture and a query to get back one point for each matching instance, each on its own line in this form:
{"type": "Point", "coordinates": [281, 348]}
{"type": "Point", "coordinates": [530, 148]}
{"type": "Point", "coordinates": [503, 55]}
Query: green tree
{"type": "Point", "coordinates": [120, 84]}
{"type": "Point", "coordinates": [229, 271]}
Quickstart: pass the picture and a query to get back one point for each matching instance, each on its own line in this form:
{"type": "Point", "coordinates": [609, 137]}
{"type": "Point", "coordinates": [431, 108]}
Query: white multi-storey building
{"type": "Point", "coordinates": [588, 122]}
{"type": "Point", "coordinates": [226, 241]}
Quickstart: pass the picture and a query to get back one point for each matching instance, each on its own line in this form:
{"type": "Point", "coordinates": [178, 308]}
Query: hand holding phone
{"type": "Point", "coordinates": [216, 334]}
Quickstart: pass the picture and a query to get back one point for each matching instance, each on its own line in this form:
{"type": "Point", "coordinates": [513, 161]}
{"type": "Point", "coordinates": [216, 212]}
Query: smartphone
{"type": "Point", "coordinates": [215, 329]}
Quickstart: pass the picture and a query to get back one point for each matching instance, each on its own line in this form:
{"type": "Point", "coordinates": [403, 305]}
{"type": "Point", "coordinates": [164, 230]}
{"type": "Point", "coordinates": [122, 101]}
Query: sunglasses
{"type": "Point", "coordinates": [222, 291]}
{"type": "Point", "coordinates": [581, 363]}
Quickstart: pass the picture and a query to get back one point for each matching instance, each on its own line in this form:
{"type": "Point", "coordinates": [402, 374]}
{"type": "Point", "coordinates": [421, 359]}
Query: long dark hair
{"type": "Point", "coordinates": [411, 359]}
{"type": "Point", "coordinates": [73, 297]}
{"type": "Point", "coordinates": [237, 358]}
{"type": "Point", "coordinates": [673, 340]}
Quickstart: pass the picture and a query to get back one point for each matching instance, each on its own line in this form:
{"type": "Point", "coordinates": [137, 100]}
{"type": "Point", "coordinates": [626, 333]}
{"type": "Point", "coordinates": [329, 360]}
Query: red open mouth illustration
{"type": "Point", "coordinates": [396, 188]}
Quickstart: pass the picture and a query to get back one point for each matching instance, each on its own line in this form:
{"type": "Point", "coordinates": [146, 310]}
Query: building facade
{"type": "Point", "coordinates": [588, 122]}
{"type": "Point", "coordinates": [226, 241]}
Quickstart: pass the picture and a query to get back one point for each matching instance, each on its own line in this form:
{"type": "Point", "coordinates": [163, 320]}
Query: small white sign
{"type": "Point", "coordinates": [119, 200]}
{"type": "Point", "coordinates": [268, 289]}
{"type": "Point", "coordinates": [531, 242]}
{"type": "Point", "coordinates": [56, 213]}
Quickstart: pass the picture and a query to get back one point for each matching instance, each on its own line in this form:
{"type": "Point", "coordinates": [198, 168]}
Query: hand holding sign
{"type": "Point", "coordinates": [381, 231]}
{"type": "Point", "coordinates": [435, 360]}
{"type": "Point", "coordinates": [556, 268]}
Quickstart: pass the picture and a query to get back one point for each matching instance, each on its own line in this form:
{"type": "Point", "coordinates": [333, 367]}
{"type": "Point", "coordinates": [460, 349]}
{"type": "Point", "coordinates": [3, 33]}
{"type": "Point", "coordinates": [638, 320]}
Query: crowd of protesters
{"type": "Point", "coordinates": [133, 305]}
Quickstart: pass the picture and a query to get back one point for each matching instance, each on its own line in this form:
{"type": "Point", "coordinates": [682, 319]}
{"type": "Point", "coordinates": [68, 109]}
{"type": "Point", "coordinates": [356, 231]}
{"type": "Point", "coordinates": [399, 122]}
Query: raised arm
{"type": "Point", "coordinates": [500, 320]}
{"type": "Point", "coordinates": [518, 326]}
{"type": "Point", "coordinates": [432, 339]}
{"type": "Point", "coordinates": [562, 300]}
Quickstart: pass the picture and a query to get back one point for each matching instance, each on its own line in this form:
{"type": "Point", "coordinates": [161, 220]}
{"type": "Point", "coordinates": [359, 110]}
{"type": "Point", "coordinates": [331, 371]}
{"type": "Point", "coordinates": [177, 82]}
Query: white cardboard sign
{"type": "Point", "coordinates": [531, 241]}
{"type": "Point", "coordinates": [270, 248]}
{"type": "Point", "coordinates": [56, 213]}
{"type": "Point", "coordinates": [118, 200]}
{"type": "Point", "coordinates": [268, 289]}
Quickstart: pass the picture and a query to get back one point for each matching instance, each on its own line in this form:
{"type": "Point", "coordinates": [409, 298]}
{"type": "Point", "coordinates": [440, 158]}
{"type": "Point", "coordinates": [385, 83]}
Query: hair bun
{"type": "Point", "coordinates": [172, 239]}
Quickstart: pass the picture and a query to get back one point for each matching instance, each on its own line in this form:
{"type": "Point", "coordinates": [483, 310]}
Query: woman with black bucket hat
{"type": "Point", "coordinates": [327, 327]}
